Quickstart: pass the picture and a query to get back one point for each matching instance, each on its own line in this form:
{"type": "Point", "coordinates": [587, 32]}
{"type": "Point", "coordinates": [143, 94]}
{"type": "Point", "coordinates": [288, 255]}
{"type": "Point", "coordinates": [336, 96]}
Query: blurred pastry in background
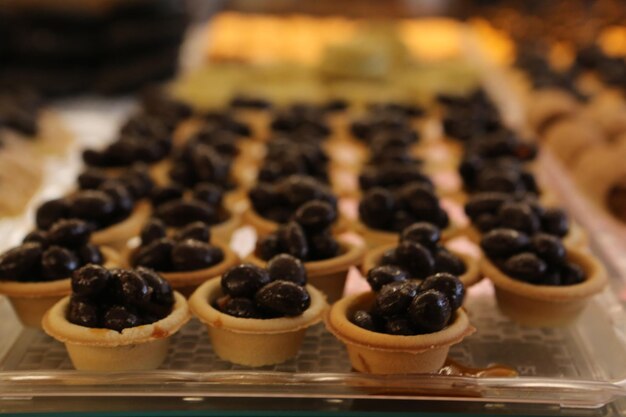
{"type": "Point", "coordinates": [107, 46]}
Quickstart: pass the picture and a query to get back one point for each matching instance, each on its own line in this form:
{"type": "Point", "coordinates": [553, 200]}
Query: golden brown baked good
{"type": "Point", "coordinates": [254, 342]}
{"type": "Point", "coordinates": [544, 305]}
{"type": "Point", "coordinates": [133, 349]}
{"type": "Point", "coordinates": [380, 353]}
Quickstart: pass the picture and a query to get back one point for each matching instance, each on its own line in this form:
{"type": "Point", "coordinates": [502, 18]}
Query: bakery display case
{"type": "Point", "coordinates": [414, 209]}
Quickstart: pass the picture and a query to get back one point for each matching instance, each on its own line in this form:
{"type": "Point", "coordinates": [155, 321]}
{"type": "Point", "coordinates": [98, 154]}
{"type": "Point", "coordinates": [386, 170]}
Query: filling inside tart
{"type": "Point", "coordinates": [417, 256]}
{"type": "Point", "coordinates": [278, 201]}
{"type": "Point", "coordinates": [539, 259]}
{"type": "Point", "coordinates": [407, 307]}
{"type": "Point", "coordinates": [307, 237]}
{"type": "Point", "coordinates": [52, 254]}
{"type": "Point", "coordinates": [117, 299]}
{"type": "Point", "coordinates": [189, 249]}
{"type": "Point", "coordinates": [264, 293]}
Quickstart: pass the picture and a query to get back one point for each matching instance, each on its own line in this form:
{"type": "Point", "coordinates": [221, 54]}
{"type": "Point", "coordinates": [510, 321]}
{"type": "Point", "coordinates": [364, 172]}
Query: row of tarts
{"type": "Point", "coordinates": [118, 229]}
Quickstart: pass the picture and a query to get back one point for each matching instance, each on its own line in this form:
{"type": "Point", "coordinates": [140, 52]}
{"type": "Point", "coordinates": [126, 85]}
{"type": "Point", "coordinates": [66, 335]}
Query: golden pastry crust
{"type": "Point", "coordinates": [329, 275]}
{"type": "Point", "coordinates": [542, 305]}
{"type": "Point", "coordinates": [471, 276]}
{"type": "Point", "coordinates": [56, 325]}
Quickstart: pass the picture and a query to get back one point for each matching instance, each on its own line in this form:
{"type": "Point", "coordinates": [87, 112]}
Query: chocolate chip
{"type": "Point", "coordinates": [315, 215]}
{"type": "Point", "coordinates": [244, 280]}
{"type": "Point", "coordinates": [50, 212]}
{"type": "Point", "coordinates": [156, 255]}
{"type": "Point", "coordinates": [293, 240]}
{"type": "Point", "coordinates": [241, 307]}
{"type": "Point", "coordinates": [179, 213]}
{"type": "Point", "coordinates": [364, 320]}
{"type": "Point", "coordinates": [416, 259]}
{"type": "Point", "coordinates": [153, 230]}
{"type": "Point", "coordinates": [92, 205]}
{"type": "Point", "coordinates": [382, 275]}
{"type": "Point", "coordinates": [446, 261]}
{"type": "Point", "coordinates": [500, 243]}
{"type": "Point", "coordinates": [429, 311]}
{"type": "Point", "coordinates": [526, 266]}
{"type": "Point", "coordinates": [394, 298]}
{"type": "Point", "coordinates": [426, 234]}
{"type": "Point", "coordinates": [90, 280]}
{"type": "Point", "coordinates": [448, 285]}
{"type": "Point", "coordinates": [21, 262]}
{"type": "Point", "coordinates": [285, 267]}
{"type": "Point", "coordinates": [82, 312]}
{"type": "Point", "coordinates": [283, 297]}
{"type": "Point", "coordinates": [191, 255]}
{"type": "Point", "coordinates": [58, 262]}
{"type": "Point", "coordinates": [119, 318]}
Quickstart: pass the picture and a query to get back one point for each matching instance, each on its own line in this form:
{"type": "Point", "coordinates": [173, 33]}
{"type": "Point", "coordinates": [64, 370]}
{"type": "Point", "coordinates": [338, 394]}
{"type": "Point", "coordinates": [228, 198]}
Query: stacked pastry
{"type": "Point", "coordinates": [28, 133]}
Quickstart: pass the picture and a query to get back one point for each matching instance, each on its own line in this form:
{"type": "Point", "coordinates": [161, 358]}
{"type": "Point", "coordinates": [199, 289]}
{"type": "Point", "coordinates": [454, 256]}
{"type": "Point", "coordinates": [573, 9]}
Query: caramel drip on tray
{"type": "Point", "coordinates": [454, 368]}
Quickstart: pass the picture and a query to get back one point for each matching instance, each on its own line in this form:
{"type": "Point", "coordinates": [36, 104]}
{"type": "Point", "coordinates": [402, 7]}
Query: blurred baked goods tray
{"type": "Point", "coordinates": [567, 367]}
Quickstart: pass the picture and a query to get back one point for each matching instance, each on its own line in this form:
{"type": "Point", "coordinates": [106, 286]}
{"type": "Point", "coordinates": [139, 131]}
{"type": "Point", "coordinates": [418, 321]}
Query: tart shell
{"type": "Point", "coordinates": [329, 276]}
{"type": "Point", "coordinates": [96, 349]}
{"type": "Point", "coordinates": [544, 305]}
{"type": "Point", "coordinates": [472, 274]}
{"type": "Point", "coordinates": [31, 300]}
{"type": "Point", "coordinates": [254, 342]}
{"type": "Point", "coordinates": [380, 353]}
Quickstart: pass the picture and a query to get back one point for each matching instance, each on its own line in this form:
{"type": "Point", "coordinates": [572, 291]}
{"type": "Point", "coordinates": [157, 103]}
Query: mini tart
{"type": "Point", "coordinates": [329, 275]}
{"type": "Point", "coordinates": [471, 276]}
{"type": "Point", "coordinates": [576, 237]}
{"type": "Point", "coordinates": [254, 342]}
{"type": "Point", "coordinates": [375, 238]}
{"type": "Point", "coordinates": [117, 235]}
{"type": "Point", "coordinates": [265, 226]}
{"type": "Point", "coordinates": [186, 282]}
{"type": "Point", "coordinates": [380, 353]}
{"type": "Point", "coordinates": [546, 305]}
{"type": "Point", "coordinates": [251, 151]}
{"type": "Point", "coordinates": [31, 300]}
{"type": "Point", "coordinates": [98, 349]}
